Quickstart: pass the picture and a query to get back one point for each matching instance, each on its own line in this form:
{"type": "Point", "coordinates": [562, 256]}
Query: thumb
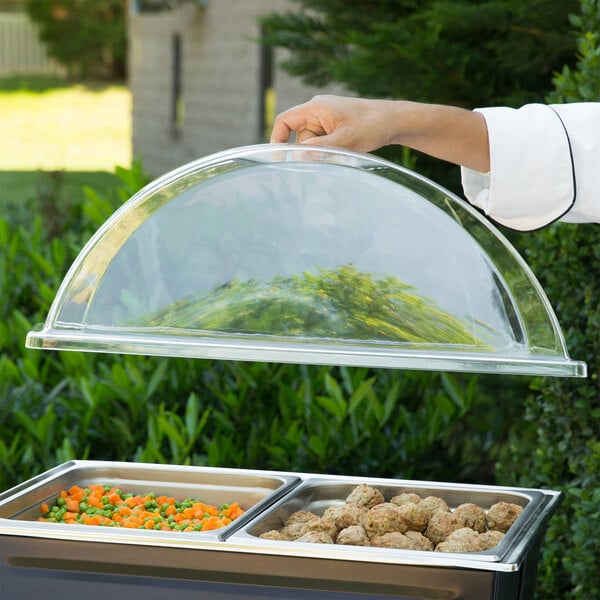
{"type": "Point", "coordinates": [307, 136]}
{"type": "Point", "coordinates": [331, 140]}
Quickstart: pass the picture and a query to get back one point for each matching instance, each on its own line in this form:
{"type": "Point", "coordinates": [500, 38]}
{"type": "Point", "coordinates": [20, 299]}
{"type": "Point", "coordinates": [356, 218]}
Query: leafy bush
{"type": "Point", "coordinates": [60, 405]}
{"type": "Point", "coordinates": [562, 419]}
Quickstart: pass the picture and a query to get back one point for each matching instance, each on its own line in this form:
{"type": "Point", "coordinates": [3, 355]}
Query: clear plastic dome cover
{"type": "Point", "coordinates": [288, 253]}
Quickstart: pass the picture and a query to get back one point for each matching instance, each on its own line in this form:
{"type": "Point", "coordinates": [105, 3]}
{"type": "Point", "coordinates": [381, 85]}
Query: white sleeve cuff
{"type": "Point", "coordinates": [531, 181]}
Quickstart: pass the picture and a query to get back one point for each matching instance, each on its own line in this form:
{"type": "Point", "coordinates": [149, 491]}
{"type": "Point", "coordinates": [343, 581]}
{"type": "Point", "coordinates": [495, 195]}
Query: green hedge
{"type": "Point", "coordinates": [557, 444]}
{"type": "Point", "coordinates": [60, 405]}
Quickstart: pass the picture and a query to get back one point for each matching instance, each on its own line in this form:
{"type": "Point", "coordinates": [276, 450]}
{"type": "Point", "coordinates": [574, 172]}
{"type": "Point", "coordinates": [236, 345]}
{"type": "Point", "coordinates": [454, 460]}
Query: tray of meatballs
{"type": "Point", "coordinates": [388, 520]}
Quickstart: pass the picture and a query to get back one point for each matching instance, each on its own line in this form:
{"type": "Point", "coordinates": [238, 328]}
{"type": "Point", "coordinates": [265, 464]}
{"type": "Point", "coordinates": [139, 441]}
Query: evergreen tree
{"type": "Point", "coordinates": [462, 52]}
{"type": "Point", "coordinates": [87, 36]}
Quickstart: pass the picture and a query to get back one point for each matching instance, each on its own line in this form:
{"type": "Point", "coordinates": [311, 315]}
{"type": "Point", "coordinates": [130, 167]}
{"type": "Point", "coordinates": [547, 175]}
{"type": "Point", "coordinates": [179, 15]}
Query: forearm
{"type": "Point", "coordinates": [452, 134]}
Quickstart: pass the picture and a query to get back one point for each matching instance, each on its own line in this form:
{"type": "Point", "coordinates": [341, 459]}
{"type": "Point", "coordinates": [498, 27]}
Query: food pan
{"type": "Point", "coordinates": [512, 564]}
{"type": "Point", "coordinates": [316, 494]}
{"type": "Point", "coordinates": [253, 490]}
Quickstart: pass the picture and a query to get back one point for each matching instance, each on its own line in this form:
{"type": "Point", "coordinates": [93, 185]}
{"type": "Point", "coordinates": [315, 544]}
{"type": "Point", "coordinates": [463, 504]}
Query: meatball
{"type": "Point", "coordinates": [293, 530]}
{"type": "Point", "coordinates": [464, 539]}
{"type": "Point", "coordinates": [415, 517]}
{"type": "Point", "coordinates": [384, 518]}
{"type": "Point", "coordinates": [392, 539]}
{"type": "Point", "coordinates": [441, 525]}
{"type": "Point", "coordinates": [355, 535]}
{"type": "Point", "coordinates": [320, 524]}
{"type": "Point", "coordinates": [401, 541]}
{"type": "Point", "coordinates": [300, 516]}
{"type": "Point", "coordinates": [406, 497]}
{"type": "Point", "coordinates": [316, 537]}
{"type": "Point", "coordinates": [274, 534]}
{"type": "Point", "coordinates": [345, 515]}
{"type": "Point", "coordinates": [502, 515]}
{"type": "Point", "coordinates": [453, 546]}
{"type": "Point", "coordinates": [419, 540]}
{"type": "Point", "coordinates": [490, 539]}
{"type": "Point", "coordinates": [366, 496]}
{"type": "Point", "coordinates": [473, 516]}
{"type": "Point", "coordinates": [432, 504]}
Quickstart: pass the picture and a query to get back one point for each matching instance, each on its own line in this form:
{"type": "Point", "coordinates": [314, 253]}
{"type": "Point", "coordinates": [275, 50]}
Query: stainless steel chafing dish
{"type": "Point", "coordinates": [47, 560]}
{"type": "Point", "coordinates": [288, 254]}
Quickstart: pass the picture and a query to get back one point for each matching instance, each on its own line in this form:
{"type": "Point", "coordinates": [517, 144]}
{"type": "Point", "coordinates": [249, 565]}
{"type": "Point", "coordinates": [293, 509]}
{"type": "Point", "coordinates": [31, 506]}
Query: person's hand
{"type": "Point", "coordinates": [453, 134]}
{"type": "Point", "coordinates": [353, 123]}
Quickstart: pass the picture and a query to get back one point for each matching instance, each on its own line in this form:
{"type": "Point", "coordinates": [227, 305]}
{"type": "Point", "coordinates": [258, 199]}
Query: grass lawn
{"type": "Point", "coordinates": [47, 125]}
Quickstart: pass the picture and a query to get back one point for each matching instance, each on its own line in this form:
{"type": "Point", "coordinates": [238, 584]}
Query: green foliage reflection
{"type": "Point", "coordinates": [342, 303]}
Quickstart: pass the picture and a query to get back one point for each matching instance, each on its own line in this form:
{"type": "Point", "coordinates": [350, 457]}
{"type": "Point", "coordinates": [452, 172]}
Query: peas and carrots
{"type": "Point", "coordinates": [110, 507]}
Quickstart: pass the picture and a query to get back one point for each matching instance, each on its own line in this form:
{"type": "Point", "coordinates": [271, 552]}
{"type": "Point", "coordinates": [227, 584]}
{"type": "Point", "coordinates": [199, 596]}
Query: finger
{"type": "Point", "coordinates": [295, 119]}
{"type": "Point", "coordinates": [333, 140]}
{"type": "Point", "coordinates": [305, 135]}
{"type": "Point", "coordinates": [280, 133]}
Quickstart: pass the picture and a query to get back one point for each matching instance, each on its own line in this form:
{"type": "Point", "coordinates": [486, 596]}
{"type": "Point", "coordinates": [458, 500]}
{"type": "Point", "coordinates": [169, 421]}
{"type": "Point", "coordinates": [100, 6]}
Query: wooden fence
{"type": "Point", "coordinates": [21, 52]}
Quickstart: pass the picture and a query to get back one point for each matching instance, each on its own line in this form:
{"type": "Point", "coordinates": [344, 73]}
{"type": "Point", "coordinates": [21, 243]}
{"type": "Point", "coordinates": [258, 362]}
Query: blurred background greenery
{"type": "Point", "coordinates": [516, 431]}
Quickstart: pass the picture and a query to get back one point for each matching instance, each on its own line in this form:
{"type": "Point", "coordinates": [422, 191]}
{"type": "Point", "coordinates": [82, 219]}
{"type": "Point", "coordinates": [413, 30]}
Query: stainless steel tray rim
{"type": "Point", "coordinates": [300, 550]}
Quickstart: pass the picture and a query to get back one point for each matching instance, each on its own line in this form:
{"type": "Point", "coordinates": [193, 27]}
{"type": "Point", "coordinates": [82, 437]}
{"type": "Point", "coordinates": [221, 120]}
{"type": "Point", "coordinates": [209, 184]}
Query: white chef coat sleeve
{"type": "Point", "coordinates": [544, 165]}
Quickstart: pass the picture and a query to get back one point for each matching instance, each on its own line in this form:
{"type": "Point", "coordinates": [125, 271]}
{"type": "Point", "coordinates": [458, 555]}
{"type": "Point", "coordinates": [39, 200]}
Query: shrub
{"type": "Point", "coordinates": [60, 405]}
{"type": "Point", "coordinates": [562, 417]}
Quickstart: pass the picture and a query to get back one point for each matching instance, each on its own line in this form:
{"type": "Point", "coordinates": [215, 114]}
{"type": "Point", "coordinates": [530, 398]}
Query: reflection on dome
{"type": "Point", "coordinates": [333, 304]}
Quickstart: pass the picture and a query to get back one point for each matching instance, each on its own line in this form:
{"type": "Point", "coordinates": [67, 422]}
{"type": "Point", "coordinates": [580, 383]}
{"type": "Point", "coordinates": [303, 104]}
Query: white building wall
{"type": "Point", "coordinates": [21, 51]}
{"type": "Point", "coordinates": [221, 87]}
